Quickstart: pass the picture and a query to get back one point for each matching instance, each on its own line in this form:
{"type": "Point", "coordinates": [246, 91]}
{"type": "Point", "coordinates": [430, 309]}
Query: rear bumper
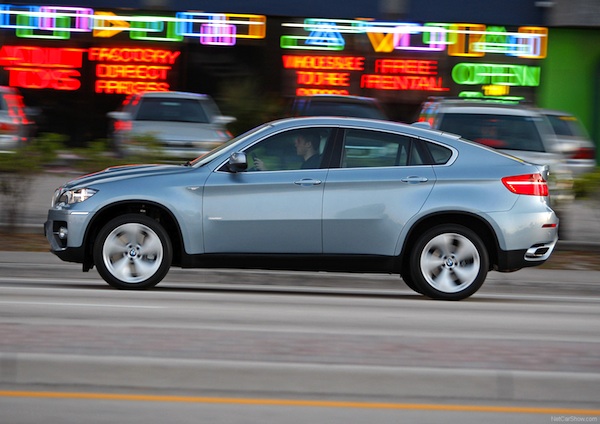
{"type": "Point", "coordinates": [535, 255]}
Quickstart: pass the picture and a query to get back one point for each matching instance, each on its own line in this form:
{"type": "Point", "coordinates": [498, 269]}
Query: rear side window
{"type": "Point", "coordinates": [508, 132]}
{"type": "Point", "coordinates": [439, 154]}
{"type": "Point", "coordinates": [366, 149]}
{"type": "Point", "coordinates": [566, 126]}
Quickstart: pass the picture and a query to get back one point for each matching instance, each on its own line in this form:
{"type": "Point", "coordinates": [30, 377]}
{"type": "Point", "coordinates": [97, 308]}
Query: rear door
{"type": "Point", "coordinates": [383, 180]}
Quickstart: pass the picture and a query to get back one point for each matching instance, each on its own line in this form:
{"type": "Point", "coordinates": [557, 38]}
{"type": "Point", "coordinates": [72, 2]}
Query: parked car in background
{"type": "Point", "coordinates": [514, 129]}
{"type": "Point", "coordinates": [382, 197]}
{"type": "Point", "coordinates": [185, 125]}
{"type": "Point", "coordinates": [574, 141]}
{"type": "Point", "coordinates": [15, 126]}
{"type": "Point", "coordinates": [336, 105]}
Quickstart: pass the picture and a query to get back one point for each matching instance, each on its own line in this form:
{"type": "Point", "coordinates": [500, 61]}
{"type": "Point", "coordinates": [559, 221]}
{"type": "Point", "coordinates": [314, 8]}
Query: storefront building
{"type": "Point", "coordinates": [77, 62]}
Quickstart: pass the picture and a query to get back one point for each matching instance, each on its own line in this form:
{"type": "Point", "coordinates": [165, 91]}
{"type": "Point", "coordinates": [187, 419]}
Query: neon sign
{"type": "Point", "coordinates": [337, 63]}
{"type": "Point", "coordinates": [402, 82]}
{"type": "Point", "coordinates": [404, 74]}
{"type": "Point", "coordinates": [118, 70]}
{"type": "Point", "coordinates": [128, 70]}
{"type": "Point", "coordinates": [42, 67]}
{"type": "Point", "coordinates": [57, 22]}
{"type": "Point", "coordinates": [460, 39]}
{"type": "Point", "coordinates": [338, 74]}
{"type": "Point", "coordinates": [496, 74]}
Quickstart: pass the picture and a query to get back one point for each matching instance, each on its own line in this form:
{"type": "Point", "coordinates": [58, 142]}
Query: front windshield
{"type": "Point", "coordinates": [204, 159]}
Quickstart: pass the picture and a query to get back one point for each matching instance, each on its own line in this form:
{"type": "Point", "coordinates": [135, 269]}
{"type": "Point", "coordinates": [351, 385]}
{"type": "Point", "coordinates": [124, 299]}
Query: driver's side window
{"type": "Point", "coordinates": [289, 150]}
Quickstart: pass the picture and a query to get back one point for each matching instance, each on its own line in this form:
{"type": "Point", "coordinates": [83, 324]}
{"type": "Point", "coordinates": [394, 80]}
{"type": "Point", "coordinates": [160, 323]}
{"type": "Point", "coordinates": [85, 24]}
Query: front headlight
{"type": "Point", "coordinates": [67, 197]}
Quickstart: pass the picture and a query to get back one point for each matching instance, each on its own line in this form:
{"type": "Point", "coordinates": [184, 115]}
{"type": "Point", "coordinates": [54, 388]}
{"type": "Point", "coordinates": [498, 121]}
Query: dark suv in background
{"type": "Point", "coordinates": [336, 105]}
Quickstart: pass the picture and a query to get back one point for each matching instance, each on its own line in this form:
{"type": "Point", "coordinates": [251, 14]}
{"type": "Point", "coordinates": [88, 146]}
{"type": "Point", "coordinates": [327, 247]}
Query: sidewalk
{"type": "Point", "coordinates": [583, 216]}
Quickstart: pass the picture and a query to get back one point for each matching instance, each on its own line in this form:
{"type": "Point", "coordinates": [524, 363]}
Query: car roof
{"type": "Point", "coordinates": [7, 89]}
{"type": "Point", "coordinates": [338, 98]}
{"type": "Point", "coordinates": [555, 112]}
{"type": "Point", "coordinates": [174, 94]}
{"type": "Point", "coordinates": [485, 106]}
{"type": "Point", "coordinates": [417, 129]}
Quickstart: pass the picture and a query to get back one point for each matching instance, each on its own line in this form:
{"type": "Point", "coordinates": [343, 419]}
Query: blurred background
{"type": "Point", "coordinates": [75, 61]}
{"type": "Point", "coordinates": [74, 76]}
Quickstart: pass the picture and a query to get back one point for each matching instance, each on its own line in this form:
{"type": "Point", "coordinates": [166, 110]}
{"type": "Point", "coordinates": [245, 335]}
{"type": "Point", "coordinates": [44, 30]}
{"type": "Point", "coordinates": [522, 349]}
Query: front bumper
{"type": "Point", "coordinates": [64, 230]}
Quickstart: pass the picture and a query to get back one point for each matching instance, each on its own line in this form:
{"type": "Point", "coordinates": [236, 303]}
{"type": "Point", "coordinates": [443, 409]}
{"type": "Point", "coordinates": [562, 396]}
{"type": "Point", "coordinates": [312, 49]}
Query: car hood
{"type": "Point", "coordinates": [125, 172]}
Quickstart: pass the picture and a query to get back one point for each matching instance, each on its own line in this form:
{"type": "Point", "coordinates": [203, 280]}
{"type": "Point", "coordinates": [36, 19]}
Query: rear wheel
{"type": "Point", "coordinates": [449, 262]}
{"type": "Point", "coordinates": [133, 251]}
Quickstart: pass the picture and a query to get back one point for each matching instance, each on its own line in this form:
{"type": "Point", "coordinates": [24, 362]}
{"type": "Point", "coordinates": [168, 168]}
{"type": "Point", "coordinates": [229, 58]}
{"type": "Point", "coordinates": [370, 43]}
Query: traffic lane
{"type": "Point", "coordinates": [488, 332]}
{"type": "Point", "coordinates": [148, 408]}
{"type": "Point", "coordinates": [255, 342]}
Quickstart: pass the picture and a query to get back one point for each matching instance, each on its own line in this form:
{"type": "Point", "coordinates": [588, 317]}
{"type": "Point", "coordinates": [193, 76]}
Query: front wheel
{"type": "Point", "coordinates": [133, 251]}
{"type": "Point", "coordinates": [449, 262]}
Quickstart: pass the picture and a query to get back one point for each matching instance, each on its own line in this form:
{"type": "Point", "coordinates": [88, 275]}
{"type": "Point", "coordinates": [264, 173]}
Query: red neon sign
{"type": "Point", "coordinates": [406, 66]}
{"type": "Point", "coordinates": [42, 67]}
{"type": "Point", "coordinates": [47, 57]}
{"type": "Point", "coordinates": [39, 78]}
{"type": "Point", "coordinates": [124, 70]}
{"type": "Point", "coordinates": [324, 63]}
{"type": "Point", "coordinates": [332, 79]}
{"type": "Point", "coordinates": [120, 70]}
{"type": "Point", "coordinates": [402, 82]}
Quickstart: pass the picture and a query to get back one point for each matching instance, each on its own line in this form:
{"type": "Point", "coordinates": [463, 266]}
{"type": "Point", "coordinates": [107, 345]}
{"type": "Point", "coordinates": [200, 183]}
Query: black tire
{"type": "Point", "coordinates": [448, 262]}
{"type": "Point", "coordinates": [133, 252]}
{"type": "Point", "coordinates": [407, 278]}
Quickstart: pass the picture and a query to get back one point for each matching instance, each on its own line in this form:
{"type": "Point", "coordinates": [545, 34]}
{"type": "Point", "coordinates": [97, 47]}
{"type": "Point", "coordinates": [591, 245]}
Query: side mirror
{"type": "Point", "coordinates": [237, 162]}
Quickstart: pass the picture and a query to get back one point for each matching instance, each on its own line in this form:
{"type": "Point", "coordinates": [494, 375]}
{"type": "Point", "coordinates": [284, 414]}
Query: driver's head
{"type": "Point", "coordinates": [307, 141]}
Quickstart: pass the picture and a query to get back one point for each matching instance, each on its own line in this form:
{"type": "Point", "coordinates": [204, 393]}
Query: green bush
{"type": "Point", "coordinates": [18, 168]}
{"type": "Point", "coordinates": [47, 151]}
{"type": "Point", "coordinates": [587, 186]}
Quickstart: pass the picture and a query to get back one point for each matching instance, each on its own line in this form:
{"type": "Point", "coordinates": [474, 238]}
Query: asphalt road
{"type": "Point", "coordinates": [293, 347]}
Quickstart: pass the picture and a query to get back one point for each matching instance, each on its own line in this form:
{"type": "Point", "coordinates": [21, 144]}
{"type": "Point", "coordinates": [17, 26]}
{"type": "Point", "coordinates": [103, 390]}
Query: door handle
{"type": "Point", "coordinates": [414, 179]}
{"type": "Point", "coordinates": [305, 182]}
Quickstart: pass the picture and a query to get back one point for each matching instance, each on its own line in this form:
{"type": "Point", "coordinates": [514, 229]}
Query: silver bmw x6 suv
{"type": "Point", "coordinates": [320, 193]}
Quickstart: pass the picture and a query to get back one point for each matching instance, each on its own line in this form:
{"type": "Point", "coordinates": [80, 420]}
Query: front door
{"type": "Point", "coordinates": [273, 207]}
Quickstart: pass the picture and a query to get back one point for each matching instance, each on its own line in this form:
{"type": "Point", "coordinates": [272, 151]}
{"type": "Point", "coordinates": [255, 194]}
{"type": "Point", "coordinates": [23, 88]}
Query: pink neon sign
{"type": "Point", "coordinates": [83, 18]}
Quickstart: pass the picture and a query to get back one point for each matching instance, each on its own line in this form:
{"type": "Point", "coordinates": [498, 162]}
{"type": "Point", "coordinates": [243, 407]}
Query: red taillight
{"type": "Point", "coordinates": [6, 127]}
{"type": "Point", "coordinates": [584, 153]}
{"type": "Point", "coordinates": [122, 126]}
{"type": "Point", "coordinates": [528, 184]}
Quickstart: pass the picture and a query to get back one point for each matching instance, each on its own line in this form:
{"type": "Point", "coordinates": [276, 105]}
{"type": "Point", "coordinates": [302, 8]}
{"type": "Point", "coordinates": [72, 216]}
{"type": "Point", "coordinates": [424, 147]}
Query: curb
{"type": "Point", "coordinates": [323, 380]}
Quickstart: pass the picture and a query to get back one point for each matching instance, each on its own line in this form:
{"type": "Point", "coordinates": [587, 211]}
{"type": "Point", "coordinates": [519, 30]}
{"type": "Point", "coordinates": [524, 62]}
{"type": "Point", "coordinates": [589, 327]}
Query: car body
{"type": "Point", "coordinates": [387, 197]}
{"type": "Point", "coordinates": [185, 125]}
{"type": "Point", "coordinates": [336, 105]}
{"type": "Point", "coordinates": [574, 141]}
{"type": "Point", "coordinates": [15, 127]}
{"type": "Point", "coordinates": [515, 129]}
